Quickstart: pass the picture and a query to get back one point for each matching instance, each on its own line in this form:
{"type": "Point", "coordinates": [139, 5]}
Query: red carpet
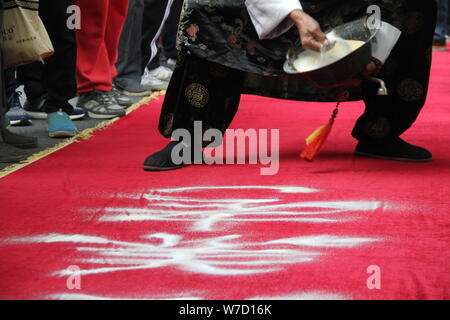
{"type": "Point", "coordinates": [314, 230]}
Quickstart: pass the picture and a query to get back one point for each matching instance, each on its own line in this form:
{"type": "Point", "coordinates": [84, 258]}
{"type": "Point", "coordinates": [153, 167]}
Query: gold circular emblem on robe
{"type": "Point", "coordinates": [197, 95]}
{"type": "Point", "coordinates": [410, 90]}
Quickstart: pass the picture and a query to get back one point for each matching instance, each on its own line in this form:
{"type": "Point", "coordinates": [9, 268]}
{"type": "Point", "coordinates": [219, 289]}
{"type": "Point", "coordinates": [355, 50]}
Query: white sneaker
{"type": "Point", "coordinates": [162, 73]}
{"type": "Point", "coordinates": [154, 83]}
{"type": "Point", "coordinates": [171, 63]}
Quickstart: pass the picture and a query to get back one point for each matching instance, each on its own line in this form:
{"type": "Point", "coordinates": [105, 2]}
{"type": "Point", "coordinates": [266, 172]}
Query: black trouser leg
{"type": "Point", "coordinates": [129, 61]}
{"type": "Point", "coordinates": [11, 85]}
{"type": "Point", "coordinates": [2, 82]}
{"type": "Point", "coordinates": [406, 73]}
{"type": "Point", "coordinates": [56, 77]}
{"type": "Point", "coordinates": [200, 91]}
{"type": "Point", "coordinates": [2, 96]}
{"type": "Point", "coordinates": [31, 76]}
{"type": "Point", "coordinates": [154, 13]}
{"type": "Point", "coordinates": [156, 61]}
{"type": "Point", "coordinates": [169, 35]}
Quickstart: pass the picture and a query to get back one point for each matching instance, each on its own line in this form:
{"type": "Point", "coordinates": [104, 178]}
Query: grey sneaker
{"type": "Point", "coordinates": [100, 105]}
{"type": "Point", "coordinates": [121, 99]}
{"type": "Point", "coordinates": [133, 89]}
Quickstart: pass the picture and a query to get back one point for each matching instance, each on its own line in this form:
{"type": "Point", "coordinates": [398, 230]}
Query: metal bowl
{"type": "Point", "coordinates": [347, 67]}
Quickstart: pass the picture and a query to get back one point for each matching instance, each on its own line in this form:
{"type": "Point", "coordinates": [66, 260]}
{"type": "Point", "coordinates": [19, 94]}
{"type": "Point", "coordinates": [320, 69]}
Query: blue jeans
{"type": "Point", "coordinates": [442, 23]}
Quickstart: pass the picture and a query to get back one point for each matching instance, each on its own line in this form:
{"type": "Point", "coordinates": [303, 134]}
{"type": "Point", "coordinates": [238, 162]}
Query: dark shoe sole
{"type": "Point", "coordinates": [126, 105]}
{"type": "Point", "coordinates": [156, 169]}
{"type": "Point", "coordinates": [12, 159]}
{"type": "Point", "coordinates": [8, 138]}
{"type": "Point", "coordinates": [376, 156]}
{"type": "Point", "coordinates": [20, 123]}
{"type": "Point", "coordinates": [77, 117]}
{"type": "Point", "coordinates": [160, 88]}
{"type": "Point", "coordinates": [30, 145]}
{"type": "Point", "coordinates": [10, 154]}
{"type": "Point", "coordinates": [439, 48]}
{"type": "Point", "coordinates": [43, 116]}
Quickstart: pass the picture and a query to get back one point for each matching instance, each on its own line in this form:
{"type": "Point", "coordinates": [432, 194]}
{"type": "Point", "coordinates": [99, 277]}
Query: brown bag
{"type": "Point", "coordinates": [23, 36]}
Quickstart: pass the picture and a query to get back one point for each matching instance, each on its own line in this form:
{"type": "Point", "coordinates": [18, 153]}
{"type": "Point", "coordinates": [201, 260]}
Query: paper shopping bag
{"type": "Point", "coordinates": [23, 36]}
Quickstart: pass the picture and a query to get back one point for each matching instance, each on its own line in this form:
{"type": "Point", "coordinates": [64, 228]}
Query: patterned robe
{"type": "Point", "coordinates": [221, 57]}
{"type": "Point", "coordinates": [2, 83]}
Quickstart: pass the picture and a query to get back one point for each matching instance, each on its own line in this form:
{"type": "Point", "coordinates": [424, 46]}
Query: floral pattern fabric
{"type": "Point", "coordinates": [221, 57]}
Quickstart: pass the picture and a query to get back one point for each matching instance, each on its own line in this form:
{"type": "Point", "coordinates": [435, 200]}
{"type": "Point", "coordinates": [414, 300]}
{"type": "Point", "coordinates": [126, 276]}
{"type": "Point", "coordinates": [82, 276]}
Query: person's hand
{"type": "Point", "coordinates": [311, 35]}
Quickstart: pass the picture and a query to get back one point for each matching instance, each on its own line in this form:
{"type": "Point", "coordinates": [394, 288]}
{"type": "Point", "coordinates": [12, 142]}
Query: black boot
{"type": "Point", "coordinates": [162, 160]}
{"type": "Point", "coordinates": [10, 154]}
{"type": "Point", "coordinates": [17, 140]}
{"type": "Point", "coordinates": [395, 149]}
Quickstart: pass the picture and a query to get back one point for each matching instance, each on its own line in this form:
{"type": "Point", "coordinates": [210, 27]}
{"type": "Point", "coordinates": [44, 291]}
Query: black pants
{"type": "Point", "coordinates": [56, 78]}
{"type": "Point", "coordinates": [2, 95]}
{"type": "Point", "coordinates": [138, 41]}
{"type": "Point", "coordinates": [154, 14]}
{"type": "Point", "coordinates": [169, 36]}
{"type": "Point", "coordinates": [129, 60]}
{"type": "Point", "coordinates": [11, 85]}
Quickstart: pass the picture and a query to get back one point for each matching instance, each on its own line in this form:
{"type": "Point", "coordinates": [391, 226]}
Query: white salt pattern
{"type": "Point", "coordinates": [227, 255]}
{"type": "Point", "coordinates": [195, 204]}
{"type": "Point", "coordinates": [223, 256]}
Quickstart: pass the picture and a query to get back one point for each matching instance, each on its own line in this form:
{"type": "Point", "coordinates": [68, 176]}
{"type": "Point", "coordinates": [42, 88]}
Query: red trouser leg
{"type": "Point", "coordinates": [97, 41]}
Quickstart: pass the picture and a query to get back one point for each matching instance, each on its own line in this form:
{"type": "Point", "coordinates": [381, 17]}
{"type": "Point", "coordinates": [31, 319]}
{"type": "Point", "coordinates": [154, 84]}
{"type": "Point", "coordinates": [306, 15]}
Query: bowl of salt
{"type": "Point", "coordinates": [346, 54]}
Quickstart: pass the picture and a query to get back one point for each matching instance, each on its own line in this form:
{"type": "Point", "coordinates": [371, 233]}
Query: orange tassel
{"type": "Point", "coordinates": [315, 142]}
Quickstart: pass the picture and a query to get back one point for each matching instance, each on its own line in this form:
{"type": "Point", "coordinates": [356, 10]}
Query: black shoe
{"type": "Point", "coordinates": [100, 105]}
{"type": "Point", "coordinates": [16, 114]}
{"type": "Point", "coordinates": [395, 149]}
{"type": "Point", "coordinates": [17, 140]}
{"type": "Point", "coordinates": [162, 160]}
{"type": "Point", "coordinates": [35, 108]}
{"type": "Point", "coordinates": [133, 89]}
{"type": "Point", "coordinates": [10, 154]}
